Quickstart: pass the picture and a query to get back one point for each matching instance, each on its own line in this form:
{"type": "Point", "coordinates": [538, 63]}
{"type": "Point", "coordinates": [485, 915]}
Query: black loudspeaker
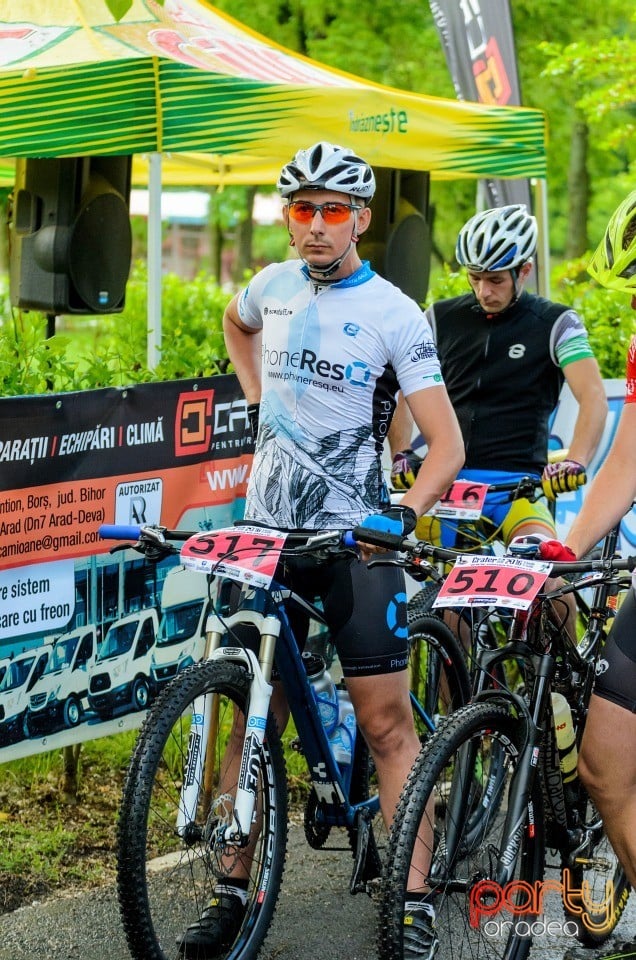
{"type": "Point", "coordinates": [398, 241]}
{"type": "Point", "coordinates": [70, 234]}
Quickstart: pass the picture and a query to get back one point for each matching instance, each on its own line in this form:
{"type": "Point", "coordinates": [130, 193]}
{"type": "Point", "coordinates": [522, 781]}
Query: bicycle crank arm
{"type": "Point", "coordinates": [359, 878]}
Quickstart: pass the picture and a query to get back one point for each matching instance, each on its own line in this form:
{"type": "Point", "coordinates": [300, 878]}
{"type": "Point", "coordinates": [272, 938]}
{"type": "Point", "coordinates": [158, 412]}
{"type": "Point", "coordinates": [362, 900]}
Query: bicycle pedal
{"type": "Point", "coordinates": [374, 889]}
{"type": "Point", "coordinates": [296, 745]}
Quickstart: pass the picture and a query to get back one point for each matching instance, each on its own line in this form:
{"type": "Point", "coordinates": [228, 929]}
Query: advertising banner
{"type": "Point", "coordinates": [88, 637]}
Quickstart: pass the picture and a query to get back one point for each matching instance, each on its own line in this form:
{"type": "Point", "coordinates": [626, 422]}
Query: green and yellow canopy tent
{"type": "Point", "coordinates": [196, 96]}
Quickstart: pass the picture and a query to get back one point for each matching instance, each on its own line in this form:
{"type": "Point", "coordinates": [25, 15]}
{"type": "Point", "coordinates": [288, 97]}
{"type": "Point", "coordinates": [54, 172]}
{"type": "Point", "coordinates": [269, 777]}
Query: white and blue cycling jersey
{"type": "Point", "coordinates": [333, 357]}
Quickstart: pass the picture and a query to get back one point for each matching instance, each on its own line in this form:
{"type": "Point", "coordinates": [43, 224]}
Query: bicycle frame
{"type": "Point", "coordinates": [536, 711]}
{"type": "Point", "coordinates": [278, 645]}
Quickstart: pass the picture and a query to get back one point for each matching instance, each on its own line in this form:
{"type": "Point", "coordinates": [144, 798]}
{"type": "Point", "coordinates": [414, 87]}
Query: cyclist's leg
{"type": "Point", "coordinates": [366, 609]}
{"type": "Point", "coordinates": [607, 760]}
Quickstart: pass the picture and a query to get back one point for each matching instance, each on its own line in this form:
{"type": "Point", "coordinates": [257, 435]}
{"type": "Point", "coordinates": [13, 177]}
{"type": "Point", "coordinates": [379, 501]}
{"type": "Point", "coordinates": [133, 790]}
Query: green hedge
{"type": "Point", "coordinates": [111, 350]}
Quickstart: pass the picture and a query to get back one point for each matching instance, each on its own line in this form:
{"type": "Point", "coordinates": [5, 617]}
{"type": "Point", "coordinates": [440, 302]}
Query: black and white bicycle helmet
{"type": "Point", "coordinates": [502, 238]}
{"type": "Point", "coordinates": [614, 262]}
{"type": "Point", "coordinates": [326, 166]}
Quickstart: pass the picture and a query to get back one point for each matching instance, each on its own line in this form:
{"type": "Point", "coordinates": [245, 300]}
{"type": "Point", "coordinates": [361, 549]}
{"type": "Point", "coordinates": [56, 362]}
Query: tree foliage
{"type": "Point", "coordinates": [575, 64]}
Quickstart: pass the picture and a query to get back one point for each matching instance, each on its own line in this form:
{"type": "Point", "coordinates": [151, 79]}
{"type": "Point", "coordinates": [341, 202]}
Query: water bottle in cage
{"type": "Point", "coordinates": [344, 736]}
{"type": "Point", "coordinates": [565, 737]}
{"type": "Point", "coordinates": [323, 689]}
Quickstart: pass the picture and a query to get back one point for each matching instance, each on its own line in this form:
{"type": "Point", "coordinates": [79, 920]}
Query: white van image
{"type": "Point", "coordinates": [181, 638]}
{"type": "Point", "coordinates": [23, 672]}
{"type": "Point", "coordinates": [121, 672]}
{"type": "Point", "coordinates": [60, 696]}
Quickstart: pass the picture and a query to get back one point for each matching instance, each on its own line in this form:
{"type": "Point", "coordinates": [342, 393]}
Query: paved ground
{"type": "Point", "coordinates": [316, 918]}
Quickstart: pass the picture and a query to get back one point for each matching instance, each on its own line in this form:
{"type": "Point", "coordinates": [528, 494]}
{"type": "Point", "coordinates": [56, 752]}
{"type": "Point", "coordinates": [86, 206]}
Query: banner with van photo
{"type": "Point", "coordinates": [88, 637]}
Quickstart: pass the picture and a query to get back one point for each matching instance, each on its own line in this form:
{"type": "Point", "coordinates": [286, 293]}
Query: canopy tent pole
{"type": "Point", "coordinates": [154, 260]}
{"type": "Point", "coordinates": [543, 243]}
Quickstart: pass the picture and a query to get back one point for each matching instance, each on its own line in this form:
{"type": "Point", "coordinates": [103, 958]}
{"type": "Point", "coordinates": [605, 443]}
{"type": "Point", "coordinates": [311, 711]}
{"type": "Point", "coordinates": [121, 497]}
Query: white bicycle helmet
{"type": "Point", "coordinates": [502, 238]}
{"type": "Point", "coordinates": [326, 166]}
{"type": "Point", "coordinates": [614, 262]}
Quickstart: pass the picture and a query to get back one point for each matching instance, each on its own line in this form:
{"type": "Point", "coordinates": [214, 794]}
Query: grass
{"type": "Point", "coordinates": [48, 844]}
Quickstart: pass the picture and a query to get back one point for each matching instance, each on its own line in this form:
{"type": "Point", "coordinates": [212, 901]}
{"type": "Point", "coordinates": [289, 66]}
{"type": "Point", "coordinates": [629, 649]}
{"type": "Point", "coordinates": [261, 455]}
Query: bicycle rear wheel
{"type": "Point", "coordinates": [607, 888]}
{"type": "Point", "coordinates": [439, 678]}
{"type": "Point", "coordinates": [165, 876]}
{"type": "Point", "coordinates": [434, 847]}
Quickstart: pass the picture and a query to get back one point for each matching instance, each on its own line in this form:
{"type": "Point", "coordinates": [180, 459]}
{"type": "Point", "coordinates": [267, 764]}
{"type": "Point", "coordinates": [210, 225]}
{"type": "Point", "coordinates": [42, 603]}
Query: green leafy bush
{"type": "Point", "coordinates": [111, 349]}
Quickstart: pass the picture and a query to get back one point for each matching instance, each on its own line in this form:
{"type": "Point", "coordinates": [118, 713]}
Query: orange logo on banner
{"type": "Point", "coordinates": [491, 78]}
{"type": "Point", "coordinates": [193, 423]}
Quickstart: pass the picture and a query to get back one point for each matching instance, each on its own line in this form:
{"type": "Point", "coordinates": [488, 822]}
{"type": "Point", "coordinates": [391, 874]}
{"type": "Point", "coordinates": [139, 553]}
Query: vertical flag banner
{"type": "Point", "coordinates": [478, 41]}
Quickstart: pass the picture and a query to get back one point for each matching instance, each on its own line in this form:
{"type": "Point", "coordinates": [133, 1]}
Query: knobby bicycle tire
{"type": "Point", "coordinates": [165, 880]}
{"type": "Point", "coordinates": [436, 807]}
{"type": "Point", "coordinates": [421, 602]}
{"type": "Point", "coordinates": [439, 677]}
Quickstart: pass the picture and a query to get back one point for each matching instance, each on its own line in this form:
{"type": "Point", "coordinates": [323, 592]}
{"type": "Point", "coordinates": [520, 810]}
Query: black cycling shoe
{"type": "Point", "coordinates": [215, 930]}
{"type": "Point", "coordinates": [622, 951]}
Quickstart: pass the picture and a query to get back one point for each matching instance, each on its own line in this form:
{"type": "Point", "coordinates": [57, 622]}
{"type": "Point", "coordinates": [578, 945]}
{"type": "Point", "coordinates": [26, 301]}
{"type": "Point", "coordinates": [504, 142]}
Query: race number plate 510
{"type": "Point", "coordinates": [493, 582]}
{"type": "Point", "coordinates": [248, 554]}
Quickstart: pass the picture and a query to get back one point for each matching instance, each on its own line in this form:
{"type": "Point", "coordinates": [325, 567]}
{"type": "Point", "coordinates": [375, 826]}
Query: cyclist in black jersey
{"type": "Point", "coordinates": [505, 354]}
{"type": "Point", "coordinates": [607, 759]}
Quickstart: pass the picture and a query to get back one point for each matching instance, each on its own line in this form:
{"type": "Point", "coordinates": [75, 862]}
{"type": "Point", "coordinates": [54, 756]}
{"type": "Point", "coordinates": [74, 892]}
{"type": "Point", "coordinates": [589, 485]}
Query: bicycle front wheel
{"type": "Point", "coordinates": [447, 838]}
{"type": "Point", "coordinates": [166, 873]}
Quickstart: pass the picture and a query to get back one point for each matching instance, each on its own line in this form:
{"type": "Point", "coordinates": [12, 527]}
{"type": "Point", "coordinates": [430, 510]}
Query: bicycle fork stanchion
{"type": "Point", "coordinates": [524, 774]}
{"type": "Point", "coordinates": [256, 722]}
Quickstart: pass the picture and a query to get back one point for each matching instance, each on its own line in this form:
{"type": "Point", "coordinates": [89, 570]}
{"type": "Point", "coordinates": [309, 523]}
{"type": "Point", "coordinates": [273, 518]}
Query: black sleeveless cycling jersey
{"type": "Point", "coordinates": [503, 375]}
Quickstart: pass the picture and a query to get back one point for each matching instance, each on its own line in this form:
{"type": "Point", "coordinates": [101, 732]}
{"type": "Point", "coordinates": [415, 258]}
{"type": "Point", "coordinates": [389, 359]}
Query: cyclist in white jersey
{"type": "Point", "coordinates": [329, 348]}
{"type": "Point", "coordinates": [323, 345]}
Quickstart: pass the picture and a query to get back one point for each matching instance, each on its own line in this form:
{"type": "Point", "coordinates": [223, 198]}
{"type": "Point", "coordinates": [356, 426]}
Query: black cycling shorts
{"type": "Point", "coordinates": [365, 610]}
{"type": "Point", "coordinates": [616, 669]}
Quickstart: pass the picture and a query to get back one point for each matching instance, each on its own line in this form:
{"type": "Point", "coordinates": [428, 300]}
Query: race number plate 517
{"type": "Point", "coordinates": [248, 554]}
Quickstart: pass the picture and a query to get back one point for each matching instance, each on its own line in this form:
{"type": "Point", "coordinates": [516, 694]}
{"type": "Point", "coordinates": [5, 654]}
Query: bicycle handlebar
{"type": "Point", "coordinates": [527, 487]}
{"type": "Point", "coordinates": [156, 536]}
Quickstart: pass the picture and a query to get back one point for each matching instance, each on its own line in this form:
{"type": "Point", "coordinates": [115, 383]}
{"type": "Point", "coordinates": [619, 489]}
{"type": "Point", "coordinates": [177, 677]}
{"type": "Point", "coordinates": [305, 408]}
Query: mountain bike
{"type": "Point", "coordinates": [490, 791]}
{"type": "Point", "coordinates": [182, 827]}
{"type": "Point", "coordinates": [484, 626]}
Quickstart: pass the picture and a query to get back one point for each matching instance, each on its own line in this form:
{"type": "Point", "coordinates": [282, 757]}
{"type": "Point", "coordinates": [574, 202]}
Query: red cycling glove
{"type": "Point", "coordinates": [555, 550]}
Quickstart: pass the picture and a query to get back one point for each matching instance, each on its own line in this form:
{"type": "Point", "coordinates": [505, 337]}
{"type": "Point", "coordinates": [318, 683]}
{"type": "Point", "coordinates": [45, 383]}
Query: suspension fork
{"type": "Point", "coordinates": [202, 722]}
{"type": "Point", "coordinates": [523, 777]}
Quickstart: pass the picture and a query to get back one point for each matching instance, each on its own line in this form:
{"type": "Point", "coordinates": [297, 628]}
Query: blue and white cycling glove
{"type": "Point", "coordinates": [397, 520]}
